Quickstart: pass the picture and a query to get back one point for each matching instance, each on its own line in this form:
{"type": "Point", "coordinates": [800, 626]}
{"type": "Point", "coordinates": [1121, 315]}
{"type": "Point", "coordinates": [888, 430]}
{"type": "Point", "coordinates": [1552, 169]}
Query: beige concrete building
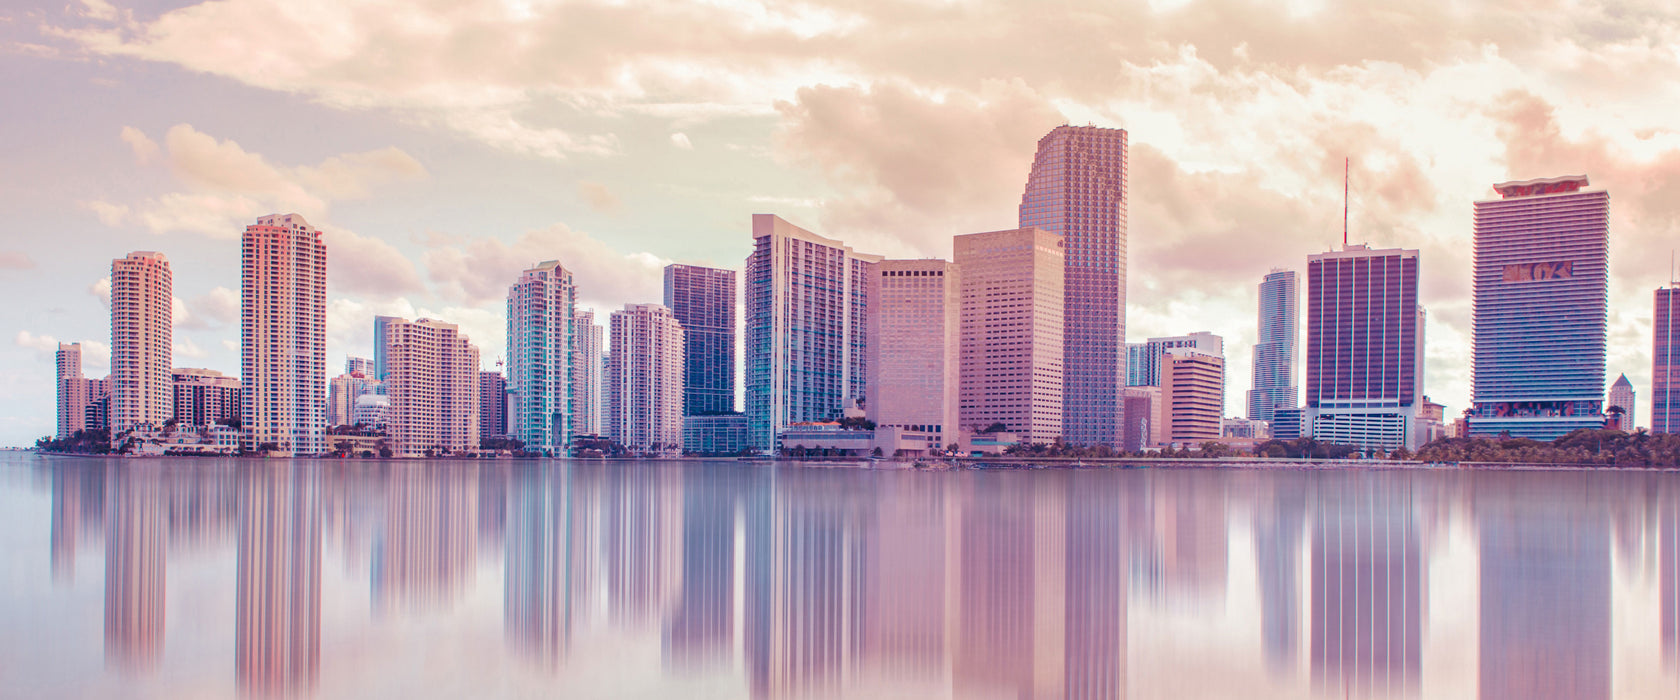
{"type": "Point", "coordinates": [1192, 396]}
{"type": "Point", "coordinates": [142, 341]}
{"type": "Point", "coordinates": [431, 377]}
{"type": "Point", "coordinates": [1011, 332]}
{"type": "Point", "coordinates": [343, 392]}
{"type": "Point", "coordinates": [645, 379]}
{"type": "Point", "coordinates": [283, 358]}
{"type": "Point", "coordinates": [203, 397]}
{"type": "Point", "coordinates": [72, 390]}
{"type": "Point", "coordinates": [588, 368]}
{"type": "Point", "coordinates": [915, 315]}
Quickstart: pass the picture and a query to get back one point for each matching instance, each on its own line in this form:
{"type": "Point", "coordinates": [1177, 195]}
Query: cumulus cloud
{"type": "Point", "coordinates": [16, 260]}
{"type": "Point", "coordinates": [38, 343]}
{"type": "Point", "coordinates": [218, 307]}
{"type": "Point", "coordinates": [477, 271]}
{"type": "Point", "coordinates": [96, 356]}
{"type": "Point", "coordinates": [367, 265]}
{"type": "Point", "coordinates": [101, 290]}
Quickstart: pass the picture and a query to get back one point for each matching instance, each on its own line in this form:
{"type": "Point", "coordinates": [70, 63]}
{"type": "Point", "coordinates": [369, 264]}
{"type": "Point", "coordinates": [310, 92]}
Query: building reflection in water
{"type": "Point", "coordinates": [278, 626]}
{"type": "Point", "coordinates": [827, 582]}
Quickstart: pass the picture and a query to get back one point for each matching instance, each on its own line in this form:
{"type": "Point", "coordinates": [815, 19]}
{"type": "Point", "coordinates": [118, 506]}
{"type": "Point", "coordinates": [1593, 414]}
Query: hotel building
{"type": "Point", "coordinates": [914, 322]}
{"type": "Point", "coordinates": [703, 300]}
{"type": "Point", "coordinates": [1274, 354]}
{"type": "Point", "coordinates": [541, 352]}
{"type": "Point", "coordinates": [142, 341]}
{"type": "Point", "coordinates": [807, 304]}
{"type": "Point", "coordinates": [204, 397]}
{"type": "Point", "coordinates": [1364, 348]}
{"type": "Point", "coordinates": [283, 359]}
{"type": "Point", "coordinates": [1077, 189]}
{"type": "Point", "coordinates": [1540, 309]}
{"type": "Point", "coordinates": [432, 381]}
{"type": "Point", "coordinates": [1011, 331]}
{"type": "Point", "coordinates": [1192, 396]}
{"type": "Point", "coordinates": [645, 379]}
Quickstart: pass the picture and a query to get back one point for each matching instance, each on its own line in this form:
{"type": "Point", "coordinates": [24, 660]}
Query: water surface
{"type": "Point", "coordinates": [216, 578]}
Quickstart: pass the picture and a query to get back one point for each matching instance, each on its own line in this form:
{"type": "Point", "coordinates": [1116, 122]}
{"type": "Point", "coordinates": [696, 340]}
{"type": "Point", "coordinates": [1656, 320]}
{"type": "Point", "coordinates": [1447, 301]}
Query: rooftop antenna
{"type": "Point", "coordinates": [1347, 165]}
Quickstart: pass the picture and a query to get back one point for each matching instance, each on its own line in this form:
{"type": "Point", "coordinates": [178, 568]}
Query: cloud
{"type": "Point", "coordinates": [366, 265]}
{"type": "Point", "coordinates": [101, 290]}
{"type": "Point", "coordinates": [96, 356]}
{"type": "Point", "coordinates": [478, 271]}
{"type": "Point", "coordinates": [186, 348]}
{"type": "Point", "coordinates": [598, 197]}
{"type": "Point", "coordinates": [680, 140]}
{"type": "Point", "coordinates": [38, 343]}
{"type": "Point", "coordinates": [228, 187]}
{"type": "Point", "coordinates": [16, 260]}
{"type": "Point", "coordinates": [218, 307]}
{"type": "Point", "coordinates": [180, 316]}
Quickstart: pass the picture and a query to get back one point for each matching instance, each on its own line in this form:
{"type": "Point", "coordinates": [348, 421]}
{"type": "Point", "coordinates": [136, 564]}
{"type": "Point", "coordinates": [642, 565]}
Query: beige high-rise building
{"type": "Point", "coordinates": [203, 397]}
{"type": "Point", "coordinates": [1192, 396]}
{"type": "Point", "coordinates": [431, 377]}
{"type": "Point", "coordinates": [142, 341]}
{"type": "Point", "coordinates": [914, 324]}
{"type": "Point", "coordinates": [588, 400]}
{"type": "Point", "coordinates": [283, 359]}
{"type": "Point", "coordinates": [72, 390]}
{"type": "Point", "coordinates": [645, 379]}
{"type": "Point", "coordinates": [1011, 356]}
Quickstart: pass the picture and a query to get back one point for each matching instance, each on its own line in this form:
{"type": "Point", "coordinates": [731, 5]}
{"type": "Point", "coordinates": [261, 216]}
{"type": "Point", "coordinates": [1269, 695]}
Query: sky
{"type": "Point", "coordinates": [445, 145]}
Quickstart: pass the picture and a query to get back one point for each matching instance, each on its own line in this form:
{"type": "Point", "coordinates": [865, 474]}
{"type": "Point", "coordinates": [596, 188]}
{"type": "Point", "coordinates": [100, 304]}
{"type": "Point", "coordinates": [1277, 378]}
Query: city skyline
{"type": "Point", "coordinates": [430, 205]}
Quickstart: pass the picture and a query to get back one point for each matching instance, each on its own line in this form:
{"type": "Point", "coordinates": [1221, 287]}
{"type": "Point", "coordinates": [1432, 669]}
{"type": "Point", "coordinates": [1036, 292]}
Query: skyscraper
{"type": "Point", "coordinates": [1077, 189]}
{"type": "Point", "coordinates": [914, 329]}
{"type": "Point", "coordinates": [645, 373]}
{"type": "Point", "coordinates": [1011, 332]}
{"type": "Point", "coordinates": [492, 405]}
{"type": "Point", "coordinates": [1148, 355]}
{"type": "Point", "coordinates": [541, 349]}
{"type": "Point", "coordinates": [142, 341]}
{"type": "Point", "coordinates": [1192, 395]}
{"type": "Point", "coordinates": [806, 340]}
{"type": "Point", "coordinates": [1364, 347]}
{"type": "Point", "coordinates": [1274, 354]}
{"type": "Point", "coordinates": [1540, 308]}
{"type": "Point", "coordinates": [703, 300]}
{"type": "Point", "coordinates": [432, 381]}
{"type": "Point", "coordinates": [589, 398]}
{"type": "Point", "coordinates": [283, 359]}
{"type": "Point", "coordinates": [72, 390]}
{"type": "Point", "coordinates": [381, 333]}
{"type": "Point", "coordinates": [1621, 396]}
{"type": "Point", "coordinates": [1665, 363]}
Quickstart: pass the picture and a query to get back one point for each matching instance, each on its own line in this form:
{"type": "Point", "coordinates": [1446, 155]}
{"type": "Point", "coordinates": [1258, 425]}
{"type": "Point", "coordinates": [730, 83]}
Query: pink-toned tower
{"type": "Point", "coordinates": [72, 390]}
{"type": "Point", "coordinates": [1011, 329]}
{"type": "Point", "coordinates": [431, 375]}
{"type": "Point", "coordinates": [645, 379]}
{"type": "Point", "coordinates": [283, 309]}
{"type": "Point", "coordinates": [142, 342]}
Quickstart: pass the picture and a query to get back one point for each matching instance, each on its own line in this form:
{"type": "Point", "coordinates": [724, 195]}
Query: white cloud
{"type": "Point", "coordinates": [101, 290]}
{"type": "Point", "coordinates": [145, 149]}
{"type": "Point", "coordinates": [38, 343]}
{"type": "Point", "coordinates": [478, 271]}
{"type": "Point", "coordinates": [96, 356]}
{"type": "Point", "coordinates": [186, 348]}
{"type": "Point", "coordinates": [680, 140]}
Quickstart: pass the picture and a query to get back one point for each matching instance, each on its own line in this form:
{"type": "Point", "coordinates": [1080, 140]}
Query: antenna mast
{"type": "Point", "coordinates": [1347, 164]}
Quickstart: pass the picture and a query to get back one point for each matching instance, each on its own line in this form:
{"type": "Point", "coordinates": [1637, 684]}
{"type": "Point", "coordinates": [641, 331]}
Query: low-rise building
{"type": "Point", "coordinates": [715, 435]}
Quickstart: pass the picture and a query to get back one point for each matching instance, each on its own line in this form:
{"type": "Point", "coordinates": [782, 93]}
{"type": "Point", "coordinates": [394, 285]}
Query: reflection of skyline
{"type": "Point", "coordinates": [278, 627]}
{"type": "Point", "coordinates": [806, 582]}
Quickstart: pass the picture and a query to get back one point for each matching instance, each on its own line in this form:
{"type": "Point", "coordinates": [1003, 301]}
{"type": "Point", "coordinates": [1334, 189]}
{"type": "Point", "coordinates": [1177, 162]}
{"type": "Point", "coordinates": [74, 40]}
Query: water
{"type": "Point", "coordinates": [215, 578]}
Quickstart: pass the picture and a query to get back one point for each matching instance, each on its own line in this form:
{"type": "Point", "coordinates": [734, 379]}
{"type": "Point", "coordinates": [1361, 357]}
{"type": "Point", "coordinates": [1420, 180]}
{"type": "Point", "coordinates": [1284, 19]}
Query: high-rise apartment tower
{"type": "Point", "coordinates": [283, 358]}
{"type": "Point", "coordinates": [703, 300]}
{"type": "Point", "coordinates": [142, 341]}
{"type": "Point", "coordinates": [541, 353]}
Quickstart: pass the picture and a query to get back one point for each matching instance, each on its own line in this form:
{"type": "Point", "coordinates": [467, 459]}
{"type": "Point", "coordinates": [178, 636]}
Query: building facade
{"type": "Point", "coordinates": [1077, 189]}
{"type": "Point", "coordinates": [344, 391]}
{"type": "Point", "coordinates": [204, 397]}
{"type": "Point", "coordinates": [1542, 254]}
{"type": "Point", "coordinates": [431, 375]}
{"type": "Point", "coordinates": [360, 365]}
{"type": "Point", "coordinates": [1364, 348]}
{"type": "Point", "coordinates": [703, 300]}
{"type": "Point", "coordinates": [541, 351]}
{"type": "Point", "coordinates": [1148, 355]}
{"type": "Point", "coordinates": [914, 326]}
{"type": "Point", "coordinates": [1665, 363]}
{"type": "Point", "coordinates": [283, 355]}
{"type": "Point", "coordinates": [492, 406]}
{"type": "Point", "coordinates": [715, 435]}
{"type": "Point", "coordinates": [1012, 332]}
{"type": "Point", "coordinates": [1192, 396]}
{"type": "Point", "coordinates": [645, 376]}
{"type": "Point", "coordinates": [381, 340]}
{"type": "Point", "coordinates": [1144, 426]}
{"type": "Point", "coordinates": [1274, 354]}
{"type": "Point", "coordinates": [72, 390]}
{"type": "Point", "coordinates": [807, 304]}
{"type": "Point", "coordinates": [142, 341]}
{"type": "Point", "coordinates": [589, 398]}
{"type": "Point", "coordinates": [1621, 397]}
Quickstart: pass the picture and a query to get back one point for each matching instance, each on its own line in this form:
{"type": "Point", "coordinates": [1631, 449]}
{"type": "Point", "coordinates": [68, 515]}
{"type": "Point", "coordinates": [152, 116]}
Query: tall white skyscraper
{"type": "Point", "coordinates": [807, 301]}
{"type": "Point", "coordinates": [1012, 326]}
{"type": "Point", "coordinates": [1274, 354]}
{"type": "Point", "coordinates": [432, 381]}
{"type": "Point", "coordinates": [645, 373]}
{"type": "Point", "coordinates": [914, 331]}
{"type": "Point", "coordinates": [589, 400]}
{"type": "Point", "coordinates": [142, 342]}
{"type": "Point", "coordinates": [283, 308]}
{"type": "Point", "coordinates": [541, 353]}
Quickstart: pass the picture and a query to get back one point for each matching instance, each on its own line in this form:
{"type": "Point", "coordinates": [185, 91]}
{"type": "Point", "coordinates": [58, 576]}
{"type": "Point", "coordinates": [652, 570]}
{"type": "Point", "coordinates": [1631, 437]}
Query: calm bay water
{"type": "Point", "coordinates": [214, 578]}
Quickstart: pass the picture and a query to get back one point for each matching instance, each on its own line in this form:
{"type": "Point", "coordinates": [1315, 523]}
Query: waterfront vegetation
{"type": "Point", "coordinates": [1593, 448]}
